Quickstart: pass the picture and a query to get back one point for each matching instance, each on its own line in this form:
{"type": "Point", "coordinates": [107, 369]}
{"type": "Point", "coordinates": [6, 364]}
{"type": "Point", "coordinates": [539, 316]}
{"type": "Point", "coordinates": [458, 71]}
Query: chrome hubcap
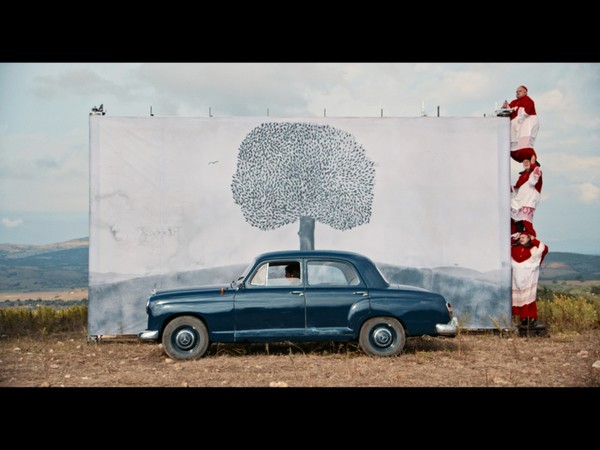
{"type": "Point", "coordinates": [185, 339]}
{"type": "Point", "coordinates": [382, 337]}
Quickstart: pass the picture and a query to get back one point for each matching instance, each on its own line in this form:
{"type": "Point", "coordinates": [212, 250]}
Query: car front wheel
{"type": "Point", "coordinates": [185, 337]}
{"type": "Point", "coordinates": [382, 336]}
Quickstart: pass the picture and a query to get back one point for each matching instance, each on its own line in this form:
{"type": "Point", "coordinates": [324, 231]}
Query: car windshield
{"type": "Point", "coordinates": [236, 283]}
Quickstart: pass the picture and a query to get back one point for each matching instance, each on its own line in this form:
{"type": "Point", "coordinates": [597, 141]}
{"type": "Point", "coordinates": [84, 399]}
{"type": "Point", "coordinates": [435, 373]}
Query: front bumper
{"type": "Point", "coordinates": [148, 335]}
{"type": "Point", "coordinates": [448, 329]}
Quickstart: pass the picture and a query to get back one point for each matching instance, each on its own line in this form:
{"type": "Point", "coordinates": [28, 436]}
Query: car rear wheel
{"type": "Point", "coordinates": [185, 337]}
{"type": "Point", "coordinates": [382, 336]}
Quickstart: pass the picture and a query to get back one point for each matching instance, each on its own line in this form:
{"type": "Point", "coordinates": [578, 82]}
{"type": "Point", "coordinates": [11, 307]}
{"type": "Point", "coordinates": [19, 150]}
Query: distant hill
{"type": "Point", "coordinates": [64, 265]}
{"type": "Point", "coordinates": [570, 266]}
{"type": "Point", "coordinates": [26, 268]}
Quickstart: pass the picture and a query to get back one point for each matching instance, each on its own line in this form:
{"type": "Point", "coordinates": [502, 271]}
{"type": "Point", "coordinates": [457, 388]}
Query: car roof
{"type": "Point", "coordinates": [373, 277]}
{"type": "Point", "coordinates": [312, 254]}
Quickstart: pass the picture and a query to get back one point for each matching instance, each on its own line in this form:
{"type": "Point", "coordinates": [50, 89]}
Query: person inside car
{"type": "Point", "coordinates": [292, 273]}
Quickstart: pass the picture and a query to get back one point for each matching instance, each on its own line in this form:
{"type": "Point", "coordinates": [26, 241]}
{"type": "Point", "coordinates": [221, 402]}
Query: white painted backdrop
{"type": "Point", "coordinates": [162, 210]}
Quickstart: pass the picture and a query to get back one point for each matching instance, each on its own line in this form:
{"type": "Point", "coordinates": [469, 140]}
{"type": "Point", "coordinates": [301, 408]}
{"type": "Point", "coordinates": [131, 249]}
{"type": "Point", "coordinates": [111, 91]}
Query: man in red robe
{"type": "Point", "coordinates": [524, 123]}
{"type": "Point", "coordinates": [527, 256]}
{"type": "Point", "coordinates": [525, 195]}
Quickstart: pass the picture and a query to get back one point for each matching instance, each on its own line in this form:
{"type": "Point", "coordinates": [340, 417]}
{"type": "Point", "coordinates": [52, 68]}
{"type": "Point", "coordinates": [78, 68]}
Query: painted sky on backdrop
{"type": "Point", "coordinates": [44, 124]}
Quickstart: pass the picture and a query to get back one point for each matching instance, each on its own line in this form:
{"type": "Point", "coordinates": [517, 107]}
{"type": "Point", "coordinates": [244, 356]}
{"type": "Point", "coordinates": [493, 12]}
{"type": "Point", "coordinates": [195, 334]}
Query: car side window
{"type": "Point", "coordinates": [331, 273]}
{"type": "Point", "coordinates": [277, 273]}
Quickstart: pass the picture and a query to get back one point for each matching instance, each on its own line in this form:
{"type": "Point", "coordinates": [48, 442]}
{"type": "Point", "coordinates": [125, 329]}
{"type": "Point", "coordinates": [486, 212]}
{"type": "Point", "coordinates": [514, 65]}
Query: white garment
{"type": "Point", "coordinates": [525, 196]}
{"type": "Point", "coordinates": [523, 130]}
{"type": "Point", "coordinates": [525, 276]}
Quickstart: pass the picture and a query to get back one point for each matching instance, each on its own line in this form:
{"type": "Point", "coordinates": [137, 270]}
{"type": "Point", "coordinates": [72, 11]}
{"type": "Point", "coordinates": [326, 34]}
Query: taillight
{"type": "Point", "coordinates": [449, 306]}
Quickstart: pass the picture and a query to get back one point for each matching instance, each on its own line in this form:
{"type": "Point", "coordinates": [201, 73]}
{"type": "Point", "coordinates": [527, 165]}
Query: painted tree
{"type": "Point", "coordinates": [303, 171]}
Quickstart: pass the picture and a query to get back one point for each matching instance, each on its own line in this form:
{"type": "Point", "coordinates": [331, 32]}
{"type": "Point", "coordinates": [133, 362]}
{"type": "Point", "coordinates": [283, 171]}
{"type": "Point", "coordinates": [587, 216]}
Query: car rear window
{"type": "Point", "coordinates": [331, 273]}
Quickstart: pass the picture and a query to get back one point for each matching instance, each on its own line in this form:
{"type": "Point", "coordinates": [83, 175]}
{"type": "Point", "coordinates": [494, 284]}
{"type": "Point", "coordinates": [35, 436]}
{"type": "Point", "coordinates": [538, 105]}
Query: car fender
{"type": "Point", "coordinates": [214, 310]}
{"type": "Point", "coordinates": [358, 314]}
{"type": "Point", "coordinates": [418, 315]}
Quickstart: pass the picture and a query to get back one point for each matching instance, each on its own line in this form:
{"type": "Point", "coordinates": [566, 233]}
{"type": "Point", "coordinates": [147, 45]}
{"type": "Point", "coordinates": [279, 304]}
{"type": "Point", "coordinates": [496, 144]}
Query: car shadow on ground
{"type": "Point", "coordinates": [432, 344]}
{"type": "Point", "coordinates": [413, 345]}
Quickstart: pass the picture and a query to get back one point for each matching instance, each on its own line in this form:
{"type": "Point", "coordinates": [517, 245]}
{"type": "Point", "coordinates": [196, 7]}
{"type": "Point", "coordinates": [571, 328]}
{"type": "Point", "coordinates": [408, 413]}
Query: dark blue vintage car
{"type": "Point", "coordinates": [299, 296]}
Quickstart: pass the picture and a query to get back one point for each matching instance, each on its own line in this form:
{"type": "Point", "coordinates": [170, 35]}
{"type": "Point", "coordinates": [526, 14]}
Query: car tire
{"type": "Point", "coordinates": [185, 337]}
{"type": "Point", "coordinates": [382, 336]}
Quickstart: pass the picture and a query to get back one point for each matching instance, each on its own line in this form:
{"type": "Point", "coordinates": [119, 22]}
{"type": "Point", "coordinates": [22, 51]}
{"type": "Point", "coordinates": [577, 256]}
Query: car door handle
{"type": "Point", "coordinates": [300, 293]}
{"type": "Point", "coordinates": [364, 294]}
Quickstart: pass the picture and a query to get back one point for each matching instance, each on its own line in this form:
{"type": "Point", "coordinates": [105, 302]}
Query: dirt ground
{"type": "Point", "coordinates": [469, 360]}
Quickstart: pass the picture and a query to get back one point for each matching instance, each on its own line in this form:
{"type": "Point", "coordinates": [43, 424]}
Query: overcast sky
{"type": "Point", "coordinates": [44, 124]}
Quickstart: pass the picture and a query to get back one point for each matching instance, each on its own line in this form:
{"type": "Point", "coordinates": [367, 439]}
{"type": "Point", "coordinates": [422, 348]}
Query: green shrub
{"type": "Point", "coordinates": [568, 313]}
{"type": "Point", "coordinates": [42, 320]}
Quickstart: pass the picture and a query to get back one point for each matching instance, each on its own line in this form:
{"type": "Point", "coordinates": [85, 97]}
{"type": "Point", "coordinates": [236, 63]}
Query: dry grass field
{"type": "Point", "coordinates": [469, 360]}
{"type": "Point", "coordinates": [486, 359]}
{"type": "Point", "coordinates": [63, 294]}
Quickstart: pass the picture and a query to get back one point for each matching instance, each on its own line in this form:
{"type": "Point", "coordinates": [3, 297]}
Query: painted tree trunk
{"type": "Point", "coordinates": [307, 233]}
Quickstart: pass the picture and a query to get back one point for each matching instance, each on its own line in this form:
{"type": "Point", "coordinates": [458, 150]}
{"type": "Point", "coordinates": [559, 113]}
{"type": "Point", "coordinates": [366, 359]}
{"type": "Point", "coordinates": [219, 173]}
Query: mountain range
{"type": "Point", "coordinates": [63, 265]}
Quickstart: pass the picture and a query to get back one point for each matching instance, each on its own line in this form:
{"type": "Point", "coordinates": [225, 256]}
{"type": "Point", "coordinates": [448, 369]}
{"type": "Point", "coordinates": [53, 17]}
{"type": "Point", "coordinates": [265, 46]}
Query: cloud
{"type": "Point", "coordinates": [554, 99]}
{"type": "Point", "coordinates": [235, 88]}
{"type": "Point", "coordinates": [79, 82]}
{"type": "Point", "coordinates": [9, 223]}
{"type": "Point", "coordinates": [588, 192]}
{"type": "Point", "coordinates": [569, 166]}
{"type": "Point", "coordinates": [44, 121]}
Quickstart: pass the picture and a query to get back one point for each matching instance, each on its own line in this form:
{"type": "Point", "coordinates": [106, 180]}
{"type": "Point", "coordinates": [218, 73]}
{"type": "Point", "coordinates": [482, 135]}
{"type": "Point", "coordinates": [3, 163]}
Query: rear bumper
{"type": "Point", "coordinates": [448, 329]}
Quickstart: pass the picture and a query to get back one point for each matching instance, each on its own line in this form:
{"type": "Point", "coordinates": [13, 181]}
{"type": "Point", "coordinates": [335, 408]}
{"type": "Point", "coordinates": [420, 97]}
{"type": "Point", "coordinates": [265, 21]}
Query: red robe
{"type": "Point", "coordinates": [526, 262]}
{"type": "Point", "coordinates": [523, 154]}
{"type": "Point", "coordinates": [524, 102]}
{"type": "Point", "coordinates": [524, 177]}
{"type": "Point", "coordinates": [525, 196]}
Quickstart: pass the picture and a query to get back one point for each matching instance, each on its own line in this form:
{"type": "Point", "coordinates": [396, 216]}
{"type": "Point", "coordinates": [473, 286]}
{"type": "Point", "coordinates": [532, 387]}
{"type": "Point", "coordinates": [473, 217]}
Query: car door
{"type": "Point", "coordinates": [333, 288]}
{"type": "Point", "coordinates": [270, 306]}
